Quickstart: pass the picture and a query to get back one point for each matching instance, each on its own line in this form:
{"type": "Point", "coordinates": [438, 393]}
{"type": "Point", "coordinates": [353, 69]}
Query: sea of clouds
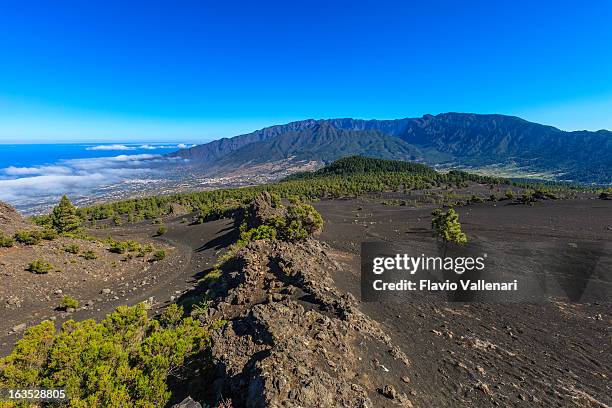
{"type": "Point", "coordinates": [35, 186]}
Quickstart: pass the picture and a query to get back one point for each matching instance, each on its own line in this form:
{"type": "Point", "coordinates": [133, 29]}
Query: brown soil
{"type": "Point", "coordinates": [102, 284]}
{"type": "Point", "coordinates": [11, 220]}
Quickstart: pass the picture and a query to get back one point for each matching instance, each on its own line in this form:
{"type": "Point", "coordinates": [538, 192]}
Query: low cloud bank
{"type": "Point", "coordinates": [120, 147]}
{"type": "Point", "coordinates": [76, 177]}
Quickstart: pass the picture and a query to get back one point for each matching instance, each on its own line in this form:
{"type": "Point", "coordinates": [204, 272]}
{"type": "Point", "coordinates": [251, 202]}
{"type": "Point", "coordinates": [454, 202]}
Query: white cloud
{"type": "Point", "coordinates": [111, 147]}
{"type": "Point", "coordinates": [113, 162]}
{"type": "Point", "coordinates": [27, 171]}
{"type": "Point", "coordinates": [150, 147]}
{"type": "Point", "coordinates": [80, 177]}
{"type": "Point", "coordinates": [117, 147]}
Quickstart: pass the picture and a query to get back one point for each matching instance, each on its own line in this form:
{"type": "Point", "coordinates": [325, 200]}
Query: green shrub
{"type": "Point", "coordinates": [476, 199]}
{"type": "Point", "coordinates": [158, 255]}
{"type": "Point", "coordinates": [261, 232]}
{"type": "Point", "coordinates": [48, 234]}
{"type": "Point", "coordinates": [72, 249]}
{"type": "Point", "coordinates": [6, 242]}
{"type": "Point", "coordinates": [124, 361]}
{"type": "Point", "coordinates": [68, 302]}
{"type": "Point", "coordinates": [171, 316]}
{"type": "Point", "coordinates": [89, 255]}
{"type": "Point", "coordinates": [121, 247]}
{"type": "Point", "coordinates": [509, 194]}
{"type": "Point", "coordinates": [28, 237]}
{"type": "Point", "coordinates": [527, 197]}
{"type": "Point", "coordinates": [302, 221]}
{"type": "Point", "coordinates": [162, 230]}
{"type": "Point", "coordinates": [544, 194]}
{"type": "Point", "coordinates": [210, 278]}
{"type": "Point", "coordinates": [39, 266]}
{"type": "Point", "coordinates": [275, 200]}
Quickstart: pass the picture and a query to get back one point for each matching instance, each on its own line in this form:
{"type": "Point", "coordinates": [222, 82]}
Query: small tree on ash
{"type": "Point", "coordinates": [446, 226]}
{"type": "Point", "coordinates": [65, 218]}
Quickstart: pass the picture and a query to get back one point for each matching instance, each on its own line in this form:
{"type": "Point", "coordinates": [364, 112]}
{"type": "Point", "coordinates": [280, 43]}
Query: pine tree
{"type": "Point", "coordinates": [65, 218]}
{"type": "Point", "coordinates": [446, 226]}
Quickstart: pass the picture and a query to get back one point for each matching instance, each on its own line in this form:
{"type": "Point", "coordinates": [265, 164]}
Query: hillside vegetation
{"type": "Point", "coordinates": [348, 177]}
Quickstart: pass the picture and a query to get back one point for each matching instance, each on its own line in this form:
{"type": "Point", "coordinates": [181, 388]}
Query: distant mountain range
{"type": "Point", "coordinates": [507, 145]}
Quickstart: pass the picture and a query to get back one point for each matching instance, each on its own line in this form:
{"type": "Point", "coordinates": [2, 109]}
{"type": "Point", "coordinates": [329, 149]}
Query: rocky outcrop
{"type": "Point", "coordinates": [187, 403]}
{"type": "Point", "coordinates": [10, 219]}
{"type": "Point", "coordinates": [262, 209]}
{"type": "Point", "coordinates": [293, 338]}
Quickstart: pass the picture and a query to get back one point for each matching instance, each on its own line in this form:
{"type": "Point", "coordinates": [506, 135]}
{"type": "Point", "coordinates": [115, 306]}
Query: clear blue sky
{"type": "Point", "coordinates": [192, 71]}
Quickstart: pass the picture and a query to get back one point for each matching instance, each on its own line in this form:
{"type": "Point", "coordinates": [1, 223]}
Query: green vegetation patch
{"type": "Point", "coordinates": [126, 360]}
{"type": "Point", "coordinates": [6, 242]}
{"type": "Point", "coordinates": [68, 302]}
{"type": "Point", "coordinates": [40, 266]}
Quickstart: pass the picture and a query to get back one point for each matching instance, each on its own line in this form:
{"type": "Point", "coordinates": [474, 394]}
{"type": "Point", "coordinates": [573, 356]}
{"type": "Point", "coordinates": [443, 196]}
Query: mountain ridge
{"type": "Point", "coordinates": [451, 139]}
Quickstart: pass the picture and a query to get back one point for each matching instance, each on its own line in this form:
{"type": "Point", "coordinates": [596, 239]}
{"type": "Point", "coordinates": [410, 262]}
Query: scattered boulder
{"type": "Point", "coordinates": [389, 391]}
{"type": "Point", "coordinates": [19, 328]}
{"type": "Point", "coordinates": [177, 209]}
{"type": "Point", "coordinates": [187, 403]}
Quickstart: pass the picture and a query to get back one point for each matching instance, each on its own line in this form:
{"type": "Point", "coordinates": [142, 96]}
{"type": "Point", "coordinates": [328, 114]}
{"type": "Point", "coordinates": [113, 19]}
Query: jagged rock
{"type": "Point", "coordinates": [389, 391]}
{"type": "Point", "coordinates": [277, 347]}
{"type": "Point", "coordinates": [177, 209]}
{"type": "Point", "coordinates": [187, 403]}
{"type": "Point", "coordinates": [292, 337]}
{"type": "Point", "coordinates": [261, 209]}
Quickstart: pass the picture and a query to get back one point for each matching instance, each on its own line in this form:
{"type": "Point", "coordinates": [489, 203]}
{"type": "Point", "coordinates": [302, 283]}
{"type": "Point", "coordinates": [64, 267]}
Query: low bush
{"type": "Point", "coordinates": [161, 230]}
{"type": "Point", "coordinates": [261, 232]}
{"type": "Point", "coordinates": [126, 360]}
{"type": "Point", "coordinates": [28, 237]}
{"type": "Point", "coordinates": [6, 242]}
{"type": "Point", "coordinates": [40, 266]}
{"type": "Point", "coordinates": [302, 221]}
{"type": "Point", "coordinates": [171, 316]}
{"type": "Point", "coordinates": [544, 194]}
{"type": "Point", "coordinates": [158, 255]}
{"type": "Point", "coordinates": [121, 247]}
{"type": "Point", "coordinates": [89, 255]}
{"type": "Point", "coordinates": [68, 302]}
{"type": "Point", "coordinates": [48, 234]}
{"type": "Point", "coordinates": [72, 249]}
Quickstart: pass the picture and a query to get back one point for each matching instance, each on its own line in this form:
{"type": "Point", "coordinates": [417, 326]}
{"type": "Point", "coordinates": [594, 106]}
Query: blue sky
{"type": "Point", "coordinates": [192, 71]}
